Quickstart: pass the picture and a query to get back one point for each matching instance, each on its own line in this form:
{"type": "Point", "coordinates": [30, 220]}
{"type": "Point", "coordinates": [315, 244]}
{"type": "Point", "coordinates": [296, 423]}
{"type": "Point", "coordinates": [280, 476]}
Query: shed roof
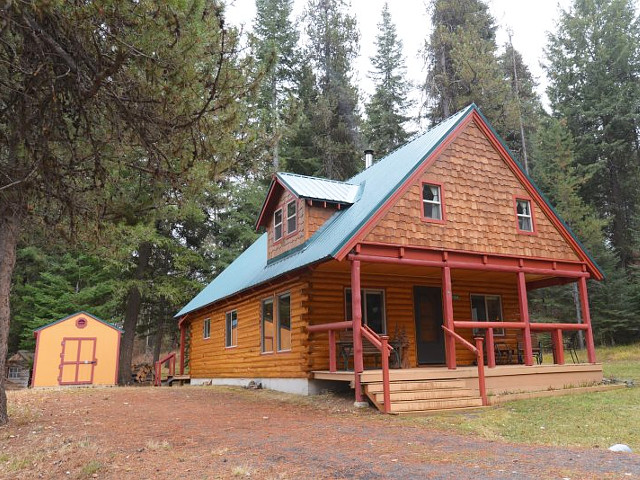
{"type": "Point", "coordinates": [35, 332]}
{"type": "Point", "coordinates": [375, 186]}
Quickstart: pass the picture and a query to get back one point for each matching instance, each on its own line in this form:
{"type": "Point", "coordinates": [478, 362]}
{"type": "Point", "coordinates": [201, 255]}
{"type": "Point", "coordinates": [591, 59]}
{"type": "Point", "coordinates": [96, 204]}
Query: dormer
{"type": "Point", "coordinates": [297, 206]}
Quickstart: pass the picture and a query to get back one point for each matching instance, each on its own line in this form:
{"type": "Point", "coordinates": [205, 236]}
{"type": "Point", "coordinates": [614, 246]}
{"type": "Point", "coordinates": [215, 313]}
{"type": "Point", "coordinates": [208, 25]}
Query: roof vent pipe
{"type": "Point", "coordinates": [368, 158]}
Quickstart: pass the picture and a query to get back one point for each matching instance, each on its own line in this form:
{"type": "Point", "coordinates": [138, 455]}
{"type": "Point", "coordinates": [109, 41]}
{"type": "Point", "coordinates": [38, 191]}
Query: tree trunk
{"type": "Point", "coordinates": [9, 226]}
{"type": "Point", "coordinates": [134, 302]}
{"type": "Point", "coordinates": [157, 348]}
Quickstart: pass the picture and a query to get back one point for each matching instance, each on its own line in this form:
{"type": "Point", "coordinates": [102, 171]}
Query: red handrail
{"type": "Point", "coordinates": [171, 358]}
{"type": "Point", "coordinates": [480, 360]}
{"type": "Point", "coordinates": [381, 342]}
{"type": "Point", "coordinates": [331, 328]}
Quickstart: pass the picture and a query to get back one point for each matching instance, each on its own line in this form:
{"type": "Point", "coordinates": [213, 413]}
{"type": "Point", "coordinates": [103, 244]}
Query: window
{"type": "Point", "coordinates": [292, 210]}
{"type": "Point", "coordinates": [487, 308]}
{"type": "Point", "coordinates": [372, 305]}
{"type": "Point", "coordinates": [523, 212]}
{"type": "Point", "coordinates": [268, 330]}
{"type": "Point", "coordinates": [14, 372]}
{"type": "Point", "coordinates": [277, 225]}
{"type": "Point", "coordinates": [431, 202]}
{"type": "Point", "coordinates": [231, 329]}
{"type": "Point", "coordinates": [284, 322]}
{"type": "Point", "coordinates": [206, 328]}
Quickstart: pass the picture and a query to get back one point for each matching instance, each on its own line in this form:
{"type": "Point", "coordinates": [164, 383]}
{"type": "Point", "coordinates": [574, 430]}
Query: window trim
{"type": "Point", "coordinates": [363, 292]}
{"type": "Point", "coordinates": [443, 215]}
{"type": "Point", "coordinates": [13, 369]}
{"type": "Point", "coordinates": [295, 216]}
{"type": "Point", "coordinates": [485, 295]}
{"type": "Point", "coordinates": [273, 312]}
{"type": "Point", "coordinates": [276, 240]}
{"type": "Point", "coordinates": [277, 297]}
{"type": "Point", "coordinates": [226, 329]}
{"type": "Point", "coordinates": [533, 230]}
{"type": "Point", "coordinates": [204, 328]}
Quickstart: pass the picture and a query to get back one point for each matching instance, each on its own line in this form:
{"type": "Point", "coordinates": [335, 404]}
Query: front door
{"type": "Point", "coordinates": [429, 333]}
{"type": "Point", "coordinates": [77, 361]}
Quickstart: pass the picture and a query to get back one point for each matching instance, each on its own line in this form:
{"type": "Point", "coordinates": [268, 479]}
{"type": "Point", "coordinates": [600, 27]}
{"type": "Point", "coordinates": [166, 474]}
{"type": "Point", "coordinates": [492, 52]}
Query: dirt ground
{"type": "Point", "coordinates": [212, 432]}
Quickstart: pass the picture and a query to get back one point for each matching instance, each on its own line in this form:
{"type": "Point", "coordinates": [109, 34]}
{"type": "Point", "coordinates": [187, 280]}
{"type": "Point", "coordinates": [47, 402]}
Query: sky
{"type": "Point", "coordinates": [529, 22]}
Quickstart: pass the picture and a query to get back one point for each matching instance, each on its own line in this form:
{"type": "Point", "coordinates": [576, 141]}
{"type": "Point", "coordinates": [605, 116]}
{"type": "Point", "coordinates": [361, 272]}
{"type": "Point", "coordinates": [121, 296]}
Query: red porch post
{"type": "Point", "coordinates": [558, 347]}
{"type": "Point", "coordinates": [356, 315]}
{"type": "Point", "coordinates": [182, 340]}
{"type": "Point", "coordinates": [586, 318]}
{"type": "Point", "coordinates": [447, 304]}
{"type": "Point", "coordinates": [524, 317]}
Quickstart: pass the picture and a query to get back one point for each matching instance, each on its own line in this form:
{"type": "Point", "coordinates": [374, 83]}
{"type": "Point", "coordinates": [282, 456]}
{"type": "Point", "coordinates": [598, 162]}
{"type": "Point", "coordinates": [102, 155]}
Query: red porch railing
{"type": "Point", "coordinates": [556, 330]}
{"type": "Point", "coordinates": [381, 342]}
{"type": "Point", "coordinates": [480, 360]}
{"type": "Point", "coordinates": [171, 359]}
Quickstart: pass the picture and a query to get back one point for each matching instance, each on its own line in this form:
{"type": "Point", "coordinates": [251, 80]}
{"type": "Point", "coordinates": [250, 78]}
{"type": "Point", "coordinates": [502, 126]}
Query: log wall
{"type": "Point", "coordinates": [209, 358]}
{"type": "Point", "coordinates": [327, 304]}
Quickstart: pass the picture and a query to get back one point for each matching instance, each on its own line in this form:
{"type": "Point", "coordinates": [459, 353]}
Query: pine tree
{"type": "Point", "coordinates": [461, 56]}
{"type": "Point", "coordinates": [387, 110]}
{"type": "Point", "coordinates": [276, 51]}
{"type": "Point", "coordinates": [334, 119]}
{"type": "Point", "coordinates": [594, 70]}
{"type": "Point", "coordinates": [522, 109]}
{"type": "Point", "coordinates": [100, 96]}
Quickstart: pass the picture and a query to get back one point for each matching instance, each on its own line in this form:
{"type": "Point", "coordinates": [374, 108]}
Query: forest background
{"type": "Point", "coordinates": [139, 139]}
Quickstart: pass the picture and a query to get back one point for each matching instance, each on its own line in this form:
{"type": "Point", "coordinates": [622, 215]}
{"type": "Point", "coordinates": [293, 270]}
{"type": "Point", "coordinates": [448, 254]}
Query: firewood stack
{"type": "Point", "coordinates": [142, 372]}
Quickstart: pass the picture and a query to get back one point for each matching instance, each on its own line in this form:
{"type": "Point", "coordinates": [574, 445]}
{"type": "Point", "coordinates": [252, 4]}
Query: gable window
{"type": "Point", "coordinates": [432, 202]}
{"type": "Point", "coordinates": [372, 305]}
{"type": "Point", "coordinates": [487, 308]}
{"type": "Point", "coordinates": [277, 225]}
{"type": "Point", "coordinates": [525, 217]}
{"type": "Point", "coordinates": [231, 329]}
{"type": "Point", "coordinates": [284, 322]}
{"type": "Point", "coordinates": [292, 210]}
{"type": "Point", "coordinates": [268, 330]}
{"type": "Point", "coordinates": [206, 328]}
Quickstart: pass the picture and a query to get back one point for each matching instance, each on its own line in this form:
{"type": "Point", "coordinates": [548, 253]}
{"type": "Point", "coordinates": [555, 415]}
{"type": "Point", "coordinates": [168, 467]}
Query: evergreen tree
{"type": "Point", "coordinates": [98, 96]}
{"type": "Point", "coordinates": [386, 111]}
{"type": "Point", "coordinates": [276, 51]}
{"type": "Point", "coordinates": [561, 177]}
{"type": "Point", "coordinates": [334, 119]}
{"type": "Point", "coordinates": [522, 109]}
{"type": "Point", "coordinates": [461, 57]}
{"type": "Point", "coordinates": [594, 70]}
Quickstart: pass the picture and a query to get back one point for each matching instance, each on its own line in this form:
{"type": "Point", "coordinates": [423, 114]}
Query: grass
{"type": "Point", "coordinates": [589, 420]}
{"type": "Point", "coordinates": [92, 467]}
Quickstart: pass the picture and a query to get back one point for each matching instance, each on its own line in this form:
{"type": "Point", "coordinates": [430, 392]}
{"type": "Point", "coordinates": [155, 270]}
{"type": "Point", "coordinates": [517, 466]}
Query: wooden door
{"type": "Point", "coordinates": [77, 361]}
{"type": "Point", "coordinates": [428, 318]}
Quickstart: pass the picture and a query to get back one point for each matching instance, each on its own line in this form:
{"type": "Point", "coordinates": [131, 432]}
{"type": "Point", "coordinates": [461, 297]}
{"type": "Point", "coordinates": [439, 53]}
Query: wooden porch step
{"type": "Point", "coordinates": [440, 404]}
{"type": "Point", "coordinates": [436, 394]}
{"type": "Point", "coordinates": [416, 385]}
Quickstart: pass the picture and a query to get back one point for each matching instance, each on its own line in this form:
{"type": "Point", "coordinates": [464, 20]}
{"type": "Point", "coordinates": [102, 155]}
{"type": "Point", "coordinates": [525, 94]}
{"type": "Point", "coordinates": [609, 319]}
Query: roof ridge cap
{"type": "Point", "coordinates": [342, 182]}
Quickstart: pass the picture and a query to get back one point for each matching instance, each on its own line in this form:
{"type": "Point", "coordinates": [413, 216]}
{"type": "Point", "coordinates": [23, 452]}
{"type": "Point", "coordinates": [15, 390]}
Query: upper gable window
{"type": "Point", "coordinates": [525, 217]}
{"type": "Point", "coordinates": [277, 225]}
{"type": "Point", "coordinates": [292, 213]}
{"type": "Point", "coordinates": [432, 202]}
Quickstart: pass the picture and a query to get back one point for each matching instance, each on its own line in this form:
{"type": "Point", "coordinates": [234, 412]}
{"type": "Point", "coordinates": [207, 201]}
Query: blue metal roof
{"type": "Point", "coordinates": [371, 187]}
{"type": "Point", "coordinates": [375, 184]}
{"type": "Point", "coordinates": [320, 188]}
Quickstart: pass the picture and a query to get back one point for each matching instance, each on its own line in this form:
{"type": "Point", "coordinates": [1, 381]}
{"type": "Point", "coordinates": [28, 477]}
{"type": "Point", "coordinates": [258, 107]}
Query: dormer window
{"type": "Point", "coordinates": [292, 214]}
{"type": "Point", "coordinates": [432, 202]}
{"type": "Point", "coordinates": [525, 217]}
{"type": "Point", "coordinates": [277, 225]}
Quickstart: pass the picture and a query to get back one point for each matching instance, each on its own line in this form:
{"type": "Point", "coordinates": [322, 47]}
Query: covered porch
{"type": "Point", "coordinates": [444, 302]}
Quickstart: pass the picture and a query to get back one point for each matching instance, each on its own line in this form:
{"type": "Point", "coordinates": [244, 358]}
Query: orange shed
{"type": "Point", "coordinates": [77, 350]}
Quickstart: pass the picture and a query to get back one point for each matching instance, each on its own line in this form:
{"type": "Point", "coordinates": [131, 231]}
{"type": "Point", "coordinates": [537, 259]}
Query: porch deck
{"type": "Point", "coordinates": [499, 380]}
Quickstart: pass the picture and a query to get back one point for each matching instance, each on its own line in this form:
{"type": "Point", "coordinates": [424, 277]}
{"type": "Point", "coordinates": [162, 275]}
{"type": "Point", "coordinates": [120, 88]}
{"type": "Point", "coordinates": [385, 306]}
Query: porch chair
{"type": "Point", "coordinates": [571, 346]}
{"type": "Point", "coordinates": [536, 348]}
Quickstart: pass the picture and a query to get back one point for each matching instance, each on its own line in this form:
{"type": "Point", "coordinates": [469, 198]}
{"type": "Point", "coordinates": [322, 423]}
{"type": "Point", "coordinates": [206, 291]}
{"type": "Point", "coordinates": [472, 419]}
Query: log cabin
{"type": "Point", "coordinates": [408, 282]}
